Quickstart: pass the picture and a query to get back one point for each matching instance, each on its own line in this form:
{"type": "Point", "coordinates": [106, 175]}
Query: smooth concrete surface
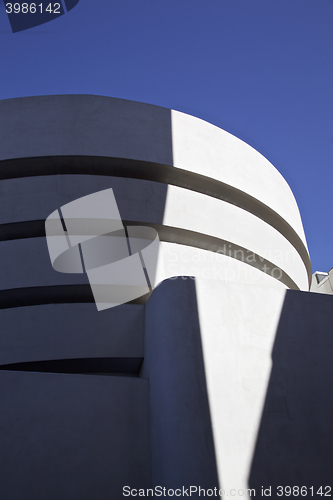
{"type": "Point", "coordinates": [204, 148]}
{"type": "Point", "coordinates": [238, 325]}
{"type": "Point", "coordinates": [240, 383]}
{"type": "Point", "coordinates": [102, 126]}
{"type": "Point", "coordinates": [207, 356]}
{"type": "Point", "coordinates": [294, 444]}
{"type": "Point", "coordinates": [181, 438]}
{"type": "Point", "coordinates": [26, 262]}
{"type": "Point", "coordinates": [34, 198]}
{"type": "Point", "coordinates": [185, 260]}
{"type": "Point", "coordinates": [200, 411]}
{"type": "Point", "coordinates": [94, 126]}
{"type": "Point", "coordinates": [86, 125]}
{"type": "Point", "coordinates": [148, 202]}
{"type": "Point", "coordinates": [209, 216]}
{"type": "Point", "coordinates": [73, 437]}
{"type": "Point", "coordinates": [69, 331]}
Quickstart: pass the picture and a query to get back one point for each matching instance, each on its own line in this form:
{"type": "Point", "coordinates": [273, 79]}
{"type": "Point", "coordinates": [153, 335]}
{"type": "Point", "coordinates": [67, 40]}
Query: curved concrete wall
{"type": "Point", "coordinates": [222, 212]}
{"type": "Point", "coordinates": [142, 201]}
{"type": "Point", "coordinates": [198, 185]}
{"type": "Point", "coordinates": [30, 334]}
{"type": "Point", "coordinates": [205, 149]}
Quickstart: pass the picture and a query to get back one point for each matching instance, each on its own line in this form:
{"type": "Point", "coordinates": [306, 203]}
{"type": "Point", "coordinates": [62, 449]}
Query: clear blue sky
{"type": "Point", "coordinates": [260, 69]}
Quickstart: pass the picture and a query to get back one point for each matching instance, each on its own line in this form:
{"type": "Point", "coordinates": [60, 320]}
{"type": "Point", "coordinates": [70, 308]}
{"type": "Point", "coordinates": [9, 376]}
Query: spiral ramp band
{"type": "Point", "coordinates": [205, 190]}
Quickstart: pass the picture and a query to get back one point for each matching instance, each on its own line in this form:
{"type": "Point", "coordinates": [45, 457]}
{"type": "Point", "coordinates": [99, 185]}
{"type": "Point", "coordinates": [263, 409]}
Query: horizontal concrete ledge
{"type": "Point", "coordinates": [99, 366]}
{"type": "Point", "coordinates": [36, 229]}
{"type": "Point", "coordinates": [166, 174]}
{"type": "Point", "coordinates": [60, 294]}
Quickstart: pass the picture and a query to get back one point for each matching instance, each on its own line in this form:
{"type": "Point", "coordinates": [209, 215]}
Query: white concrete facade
{"type": "Point", "coordinates": [194, 368]}
{"type": "Point", "coordinates": [217, 188]}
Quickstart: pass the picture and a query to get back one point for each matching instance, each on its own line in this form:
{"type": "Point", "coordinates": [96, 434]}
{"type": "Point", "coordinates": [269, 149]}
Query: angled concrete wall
{"type": "Point", "coordinates": [293, 446]}
{"type": "Point", "coordinates": [240, 380]}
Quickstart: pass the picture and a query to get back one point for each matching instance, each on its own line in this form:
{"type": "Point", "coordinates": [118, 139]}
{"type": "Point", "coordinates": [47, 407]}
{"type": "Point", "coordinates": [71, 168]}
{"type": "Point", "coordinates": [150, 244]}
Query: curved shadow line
{"type": "Point", "coordinates": [55, 294]}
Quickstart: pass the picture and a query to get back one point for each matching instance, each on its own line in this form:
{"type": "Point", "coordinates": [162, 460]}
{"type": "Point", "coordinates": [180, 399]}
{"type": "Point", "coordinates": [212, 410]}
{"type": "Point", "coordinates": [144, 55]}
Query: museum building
{"type": "Point", "coordinates": [218, 375]}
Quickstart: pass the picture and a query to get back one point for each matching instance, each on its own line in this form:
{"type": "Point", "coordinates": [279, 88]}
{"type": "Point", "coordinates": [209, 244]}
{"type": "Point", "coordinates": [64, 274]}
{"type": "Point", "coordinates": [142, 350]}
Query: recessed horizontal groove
{"type": "Point", "coordinates": [21, 230]}
{"type": "Point", "coordinates": [36, 229]}
{"type": "Point", "coordinates": [97, 366]}
{"type": "Point", "coordinates": [166, 174]}
{"type": "Point", "coordinates": [59, 294]}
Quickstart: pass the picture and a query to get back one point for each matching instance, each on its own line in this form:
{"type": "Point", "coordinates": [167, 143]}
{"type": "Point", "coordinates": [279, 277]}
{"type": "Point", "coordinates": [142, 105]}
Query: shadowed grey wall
{"type": "Point", "coordinates": [182, 442]}
{"type": "Point", "coordinates": [34, 198]}
{"type": "Point", "coordinates": [60, 331]}
{"type": "Point", "coordinates": [72, 437]}
{"type": "Point", "coordinates": [86, 125]}
{"type": "Point", "coordinates": [294, 445]}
